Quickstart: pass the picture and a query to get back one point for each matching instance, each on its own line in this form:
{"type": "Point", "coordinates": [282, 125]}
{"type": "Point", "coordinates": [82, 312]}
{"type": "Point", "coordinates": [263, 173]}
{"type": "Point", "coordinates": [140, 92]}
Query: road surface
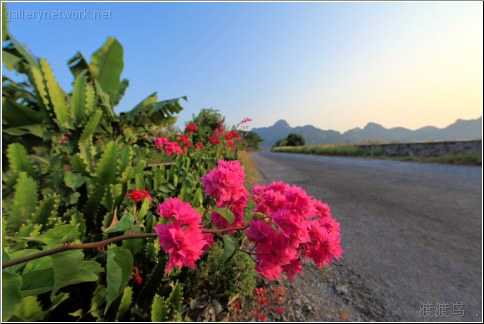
{"type": "Point", "coordinates": [412, 232]}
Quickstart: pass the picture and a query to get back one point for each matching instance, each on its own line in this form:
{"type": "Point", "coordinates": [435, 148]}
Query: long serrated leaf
{"type": "Point", "coordinates": [56, 95]}
{"type": "Point", "coordinates": [90, 127]}
{"type": "Point", "coordinates": [19, 160]}
{"type": "Point", "coordinates": [125, 304]}
{"type": "Point", "coordinates": [38, 81]}
{"type": "Point", "coordinates": [24, 201]}
{"type": "Point", "coordinates": [159, 311]}
{"type": "Point", "coordinates": [78, 101]}
{"type": "Point", "coordinates": [46, 208]}
{"type": "Point", "coordinates": [175, 302]}
{"type": "Point", "coordinates": [29, 310]}
{"type": "Point", "coordinates": [106, 169]}
{"type": "Point", "coordinates": [90, 99]}
{"type": "Point", "coordinates": [118, 271]}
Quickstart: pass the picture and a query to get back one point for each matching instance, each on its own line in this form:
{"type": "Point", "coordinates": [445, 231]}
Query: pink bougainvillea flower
{"type": "Point", "coordinates": [173, 148]}
{"type": "Point", "coordinates": [182, 237]}
{"type": "Point", "coordinates": [225, 183]}
{"type": "Point", "coordinates": [191, 128]}
{"type": "Point", "coordinates": [174, 209]}
{"type": "Point", "coordinates": [295, 226]}
{"type": "Point", "coordinates": [184, 245]}
{"type": "Point", "coordinates": [160, 141]}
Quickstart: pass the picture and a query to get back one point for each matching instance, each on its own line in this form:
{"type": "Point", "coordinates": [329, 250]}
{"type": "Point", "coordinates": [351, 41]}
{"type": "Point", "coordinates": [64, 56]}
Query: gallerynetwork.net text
{"type": "Point", "coordinates": [39, 15]}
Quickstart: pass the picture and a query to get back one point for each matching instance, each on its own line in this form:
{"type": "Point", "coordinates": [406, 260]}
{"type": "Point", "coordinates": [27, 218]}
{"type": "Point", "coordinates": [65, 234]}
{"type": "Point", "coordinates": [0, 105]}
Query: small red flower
{"type": "Point", "coordinates": [136, 275]}
{"type": "Point", "coordinates": [138, 195]}
{"type": "Point", "coordinates": [199, 145]}
{"type": "Point", "coordinates": [214, 140]}
{"type": "Point", "coordinates": [191, 128]}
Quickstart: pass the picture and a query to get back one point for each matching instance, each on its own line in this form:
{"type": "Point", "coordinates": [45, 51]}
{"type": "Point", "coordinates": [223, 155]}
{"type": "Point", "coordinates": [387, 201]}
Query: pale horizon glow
{"type": "Point", "coordinates": [330, 64]}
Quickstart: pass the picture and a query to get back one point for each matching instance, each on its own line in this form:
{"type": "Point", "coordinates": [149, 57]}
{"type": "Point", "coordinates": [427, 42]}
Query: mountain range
{"type": "Point", "coordinates": [460, 130]}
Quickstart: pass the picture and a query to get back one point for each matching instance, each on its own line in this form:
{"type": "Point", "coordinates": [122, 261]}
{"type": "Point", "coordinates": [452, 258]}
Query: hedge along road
{"type": "Point", "coordinates": [411, 231]}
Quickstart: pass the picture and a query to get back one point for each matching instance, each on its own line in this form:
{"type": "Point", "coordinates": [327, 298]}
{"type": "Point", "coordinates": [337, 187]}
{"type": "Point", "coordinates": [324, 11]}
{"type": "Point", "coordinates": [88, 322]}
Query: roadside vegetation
{"type": "Point", "coordinates": [356, 151]}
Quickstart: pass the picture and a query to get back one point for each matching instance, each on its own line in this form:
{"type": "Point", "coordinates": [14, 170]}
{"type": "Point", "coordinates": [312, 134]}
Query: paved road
{"type": "Point", "coordinates": [412, 231]}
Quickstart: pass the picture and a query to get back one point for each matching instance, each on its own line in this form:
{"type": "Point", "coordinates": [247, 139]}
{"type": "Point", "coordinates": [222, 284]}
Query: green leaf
{"type": "Point", "coordinates": [90, 99]}
{"type": "Point", "coordinates": [106, 66]}
{"type": "Point", "coordinates": [36, 130]}
{"type": "Point", "coordinates": [56, 95]}
{"type": "Point", "coordinates": [47, 208]}
{"type": "Point", "coordinates": [19, 160]}
{"type": "Point", "coordinates": [78, 101]}
{"type": "Point", "coordinates": [98, 299]}
{"type": "Point", "coordinates": [119, 268]}
{"type": "Point", "coordinates": [144, 208]}
{"type": "Point", "coordinates": [78, 65]}
{"type": "Point", "coordinates": [22, 51]}
{"type": "Point", "coordinates": [90, 127]}
{"type": "Point", "coordinates": [37, 282]}
{"type": "Point", "coordinates": [20, 254]}
{"type": "Point", "coordinates": [175, 302]}
{"type": "Point", "coordinates": [38, 81]}
{"type": "Point", "coordinates": [30, 310]}
{"type": "Point", "coordinates": [16, 114]}
{"type": "Point", "coordinates": [125, 304]}
{"type": "Point", "coordinates": [11, 283]}
{"type": "Point", "coordinates": [230, 246]}
{"type": "Point", "coordinates": [159, 311]}
{"type": "Point", "coordinates": [226, 213]}
{"type": "Point", "coordinates": [125, 223]}
{"type": "Point", "coordinates": [60, 234]}
{"type": "Point", "coordinates": [10, 60]}
{"type": "Point", "coordinates": [106, 169]}
{"type": "Point", "coordinates": [73, 180]}
{"type": "Point", "coordinates": [24, 202]}
{"type": "Point", "coordinates": [122, 89]}
{"type": "Point", "coordinates": [76, 272]}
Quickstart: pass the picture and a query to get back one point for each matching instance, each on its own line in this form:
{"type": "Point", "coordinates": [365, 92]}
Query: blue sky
{"type": "Point", "coordinates": [333, 65]}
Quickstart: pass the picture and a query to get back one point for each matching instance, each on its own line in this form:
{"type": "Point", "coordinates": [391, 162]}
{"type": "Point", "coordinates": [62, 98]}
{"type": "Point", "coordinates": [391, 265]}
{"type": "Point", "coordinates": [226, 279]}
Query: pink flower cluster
{"type": "Point", "coordinates": [170, 147]}
{"type": "Point", "coordinates": [291, 226]}
{"type": "Point", "coordinates": [225, 184]}
{"type": "Point", "coordinates": [182, 236]}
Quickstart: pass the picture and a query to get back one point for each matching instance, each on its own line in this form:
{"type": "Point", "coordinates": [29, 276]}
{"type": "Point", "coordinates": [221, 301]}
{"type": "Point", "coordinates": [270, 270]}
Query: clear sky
{"type": "Point", "coordinates": [332, 65]}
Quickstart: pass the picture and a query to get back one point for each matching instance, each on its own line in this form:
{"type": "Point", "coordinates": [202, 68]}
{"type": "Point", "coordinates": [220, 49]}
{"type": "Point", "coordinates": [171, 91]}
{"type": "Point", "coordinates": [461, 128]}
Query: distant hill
{"type": "Point", "coordinates": [460, 130]}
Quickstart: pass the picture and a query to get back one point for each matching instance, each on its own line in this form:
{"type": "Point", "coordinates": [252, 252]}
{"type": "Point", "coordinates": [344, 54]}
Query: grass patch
{"type": "Point", "coordinates": [353, 150]}
{"type": "Point", "coordinates": [253, 177]}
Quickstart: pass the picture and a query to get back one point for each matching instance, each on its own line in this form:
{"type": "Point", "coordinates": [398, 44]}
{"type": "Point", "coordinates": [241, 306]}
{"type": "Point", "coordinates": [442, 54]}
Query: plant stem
{"type": "Point", "coordinates": [100, 244]}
